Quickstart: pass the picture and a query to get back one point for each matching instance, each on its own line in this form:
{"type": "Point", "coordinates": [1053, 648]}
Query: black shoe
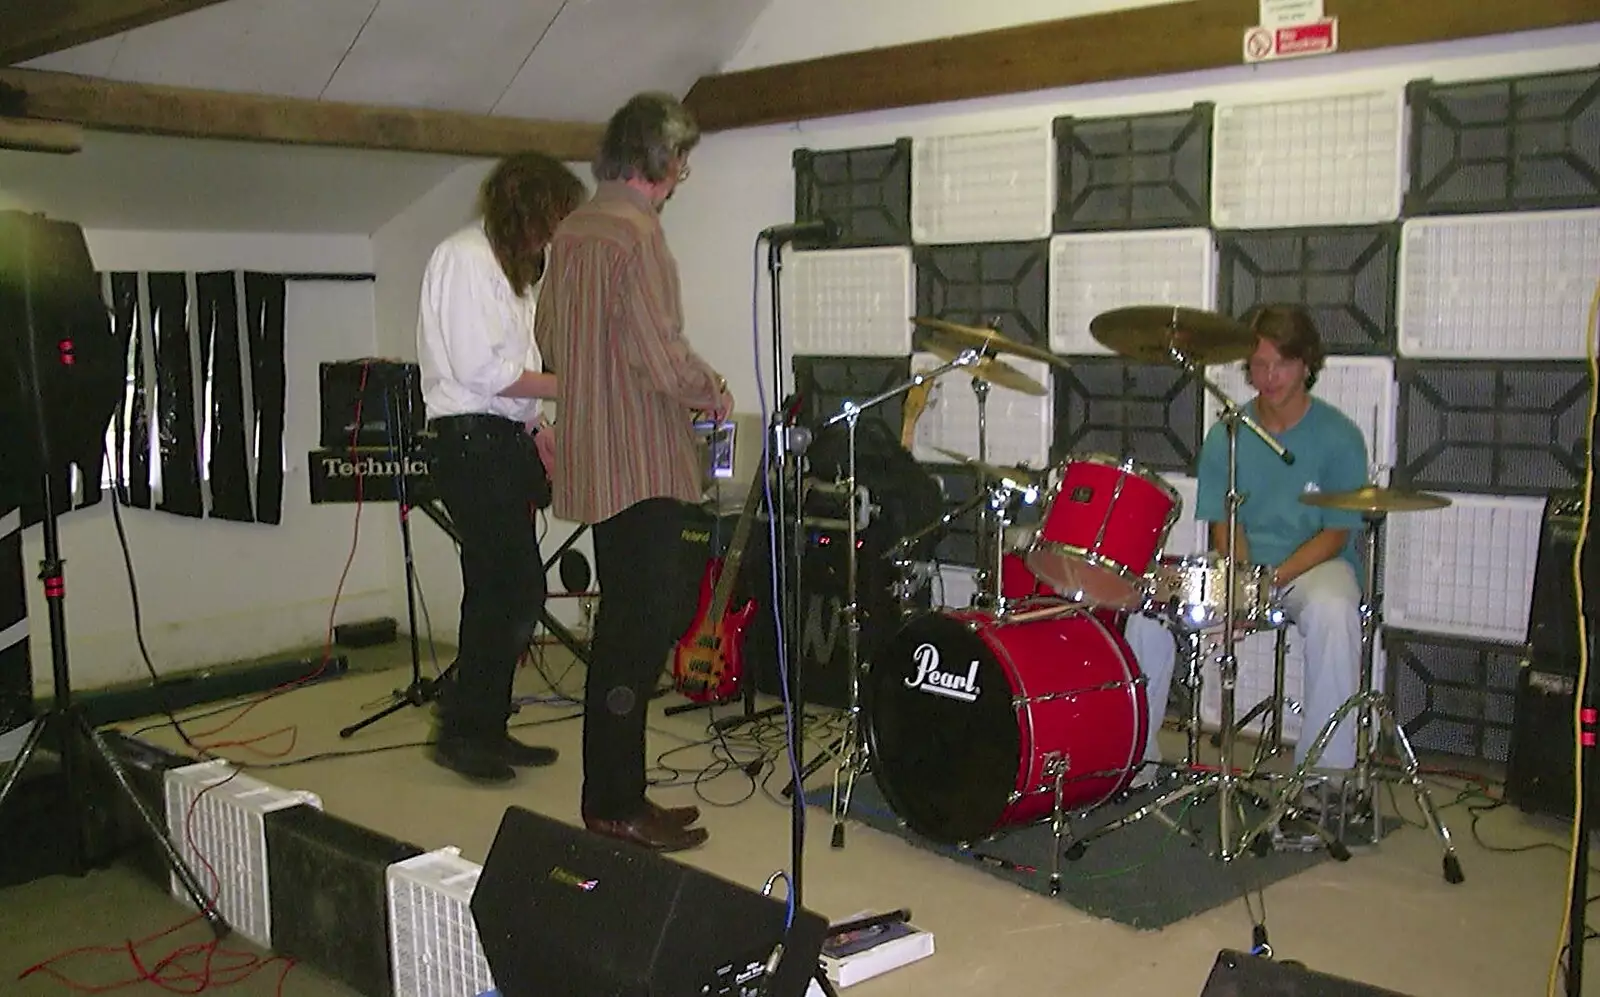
{"type": "Point", "coordinates": [514, 752]}
{"type": "Point", "coordinates": [473, 758]}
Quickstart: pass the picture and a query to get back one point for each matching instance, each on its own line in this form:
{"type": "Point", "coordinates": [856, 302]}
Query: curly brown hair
{"type": "Point", "coordinates": [522, 201]}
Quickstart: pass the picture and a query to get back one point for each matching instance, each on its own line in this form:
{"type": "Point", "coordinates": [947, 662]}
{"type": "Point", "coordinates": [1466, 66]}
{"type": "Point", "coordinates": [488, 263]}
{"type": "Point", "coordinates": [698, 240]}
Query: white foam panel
{"type": "Point", "coordinates": [1465, 570]}
{"type": "Point", "coordinates": [1514, 286]}
{"type": "Point", "coordinates": [215, 818]}
{"type": "Point", "coordinates": [1363, 388]}
{"type": "Point", "coordinates": [434, 947]}
{"type": "Point", "coordinates": [1254, 682]}
{"type": "Point", "coordinates": [1186, 536]}
{"type": "Point", "coordinates": [1090, 274]}
{"type": "Point", "coordinates": [849, 302]}
{"type": "Point", "coordinates": [1019, 425]}
{"type": "Point", "coordinates": [1324, 160]}
{"type": "Point", "coordinates": [983, 187]}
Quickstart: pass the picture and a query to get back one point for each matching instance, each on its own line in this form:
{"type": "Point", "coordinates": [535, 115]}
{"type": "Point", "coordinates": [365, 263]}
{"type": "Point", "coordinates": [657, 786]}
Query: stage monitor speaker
{"type": "Point", "coordinates": [1236, 974]}
{"type": "Point", "coordinates": [1552, 613]}
{"type": "Point", "coordinates": [565, 913]}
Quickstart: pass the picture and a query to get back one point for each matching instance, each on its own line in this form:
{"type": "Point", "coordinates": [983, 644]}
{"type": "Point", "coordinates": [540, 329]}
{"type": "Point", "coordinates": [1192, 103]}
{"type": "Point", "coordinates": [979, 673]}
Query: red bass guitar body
{"type": "Point", "coordinates": [708, 663]}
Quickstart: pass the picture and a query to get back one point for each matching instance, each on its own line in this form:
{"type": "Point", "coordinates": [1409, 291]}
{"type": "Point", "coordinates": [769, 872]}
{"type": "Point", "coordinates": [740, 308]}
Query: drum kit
{"type": "Point", "coordinates": [1028, 705]}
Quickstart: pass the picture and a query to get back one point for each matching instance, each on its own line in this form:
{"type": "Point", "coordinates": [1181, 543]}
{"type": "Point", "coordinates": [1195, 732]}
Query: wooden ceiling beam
{"type": "Point", "coordinates": [31, 28]}
{"type": "Point", "coordinates": [109, 105]}
{"type": "Point", "coordinates": [26, 135]}
{"type": "Point", "coordinates": [1125, 44]}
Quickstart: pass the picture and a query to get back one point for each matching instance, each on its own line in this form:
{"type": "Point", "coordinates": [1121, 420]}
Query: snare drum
{"type": "Point", "coordinates": [1104, 520]}
{"type": "Point", "coordinates": [971, 719]}
{"type": "Point", "coordinates": [1188, 591]}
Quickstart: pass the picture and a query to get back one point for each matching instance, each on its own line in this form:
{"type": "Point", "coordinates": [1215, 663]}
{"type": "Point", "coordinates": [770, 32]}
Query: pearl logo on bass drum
{"type": "Point", "coordinates": [949, 684]}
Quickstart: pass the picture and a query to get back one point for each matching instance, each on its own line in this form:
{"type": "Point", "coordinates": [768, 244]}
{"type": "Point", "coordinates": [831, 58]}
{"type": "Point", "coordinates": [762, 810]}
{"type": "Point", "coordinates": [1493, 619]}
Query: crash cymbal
{"type": "Point", "coordinates": [1375, 499]}
{"type": "Point", "coordinates": [1148, 333]}
{"type": "Point", "coordinates": [989, 369]}
{"type": "Point", "coordinates": [972, 337]}
{"type": "Point", "coordinates": [1021, 475]}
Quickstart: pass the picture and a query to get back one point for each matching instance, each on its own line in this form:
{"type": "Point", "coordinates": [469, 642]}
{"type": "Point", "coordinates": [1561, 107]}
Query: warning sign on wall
{"type": "Point", "coordinates": [1264, 44]}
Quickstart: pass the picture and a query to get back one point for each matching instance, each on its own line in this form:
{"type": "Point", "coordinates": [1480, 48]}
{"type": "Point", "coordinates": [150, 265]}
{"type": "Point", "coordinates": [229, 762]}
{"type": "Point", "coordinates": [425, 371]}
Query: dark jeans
{"type": "Point", "coordinates": [648, 594]}
{"type": "Point", "coordinates": [487, 473]}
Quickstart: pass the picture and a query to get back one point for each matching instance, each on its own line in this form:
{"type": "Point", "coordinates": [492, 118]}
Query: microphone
{"type": "Point", "coordinates": [818, 230]}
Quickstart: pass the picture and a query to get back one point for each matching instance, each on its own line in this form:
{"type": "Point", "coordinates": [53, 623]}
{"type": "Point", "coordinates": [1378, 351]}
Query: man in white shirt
{"type": "Point", "coordinates": [482, 382]}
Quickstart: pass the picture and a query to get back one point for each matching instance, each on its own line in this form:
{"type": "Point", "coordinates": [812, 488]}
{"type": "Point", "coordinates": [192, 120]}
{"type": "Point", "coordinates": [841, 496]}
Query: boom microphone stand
{"type": "Point", "coordinates": [65, 721]}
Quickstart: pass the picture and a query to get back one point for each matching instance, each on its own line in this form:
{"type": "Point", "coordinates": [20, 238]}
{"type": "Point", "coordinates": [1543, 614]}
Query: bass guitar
{"type": "Point", "coordinates": [708, 661]}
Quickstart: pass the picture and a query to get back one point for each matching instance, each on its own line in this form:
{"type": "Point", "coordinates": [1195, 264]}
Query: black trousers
{"type": "Point", "coordinates": [488, 475]}
{"type": "Point", "coordinates": [648, 572]}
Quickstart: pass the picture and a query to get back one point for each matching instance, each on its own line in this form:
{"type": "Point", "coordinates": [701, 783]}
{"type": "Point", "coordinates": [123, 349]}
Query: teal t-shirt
{"type": "Point", "coordinates": [1329, 456]}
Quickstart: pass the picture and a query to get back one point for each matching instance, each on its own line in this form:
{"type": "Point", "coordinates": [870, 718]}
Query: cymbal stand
{"type": "Point", "coordinates": [1225, 784]}
{"type": "Point", "coordinates": [1366, 703]}
{"type": "Point", "coordinates": [989, 548]}
{"type": "Point", "coordinates": [853, 749]}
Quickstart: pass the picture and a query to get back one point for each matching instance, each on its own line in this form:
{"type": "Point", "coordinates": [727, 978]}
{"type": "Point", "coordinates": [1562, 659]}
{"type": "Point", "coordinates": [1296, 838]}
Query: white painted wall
{"type": "Point", "coordinates": [214, 591]}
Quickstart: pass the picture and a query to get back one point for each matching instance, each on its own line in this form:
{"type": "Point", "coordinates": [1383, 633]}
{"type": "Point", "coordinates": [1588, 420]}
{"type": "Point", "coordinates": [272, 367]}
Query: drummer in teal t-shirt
{"type": "Point", "coordinates": [1313, 550]}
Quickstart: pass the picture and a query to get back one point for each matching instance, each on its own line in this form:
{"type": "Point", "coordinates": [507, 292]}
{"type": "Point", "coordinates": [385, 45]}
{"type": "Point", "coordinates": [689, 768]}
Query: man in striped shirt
{"type": "Point", "coordinates": [610, 325]}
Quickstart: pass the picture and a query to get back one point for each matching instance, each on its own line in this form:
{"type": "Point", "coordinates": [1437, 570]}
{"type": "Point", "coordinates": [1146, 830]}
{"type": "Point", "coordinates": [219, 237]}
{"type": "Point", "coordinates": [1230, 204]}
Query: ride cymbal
{"type": "Point", "coordinates": [1375, 499]}
{"type": "Point", "coordinates": [1021, 475]}
{"type": "Point", "coordinates": [1150, 334]}
{"type": "Point", "coordinates": [989, 369]}
{"type": "Point", "coordinates": [972, 337]}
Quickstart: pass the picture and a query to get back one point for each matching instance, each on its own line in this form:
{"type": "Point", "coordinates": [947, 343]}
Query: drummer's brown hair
{"type": "Point", "coordinates": [1290, 329]}
{"type": "Point", "coordinates": [522, 201]}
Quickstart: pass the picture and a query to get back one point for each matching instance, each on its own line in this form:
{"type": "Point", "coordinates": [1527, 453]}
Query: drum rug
{"type": "Point", "coordinates": [1145, 875]}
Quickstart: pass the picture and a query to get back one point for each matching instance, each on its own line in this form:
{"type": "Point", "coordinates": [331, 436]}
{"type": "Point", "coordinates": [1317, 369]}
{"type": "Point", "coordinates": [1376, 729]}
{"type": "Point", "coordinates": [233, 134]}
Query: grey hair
{"type": "Point", "coordinates": [643, 138]}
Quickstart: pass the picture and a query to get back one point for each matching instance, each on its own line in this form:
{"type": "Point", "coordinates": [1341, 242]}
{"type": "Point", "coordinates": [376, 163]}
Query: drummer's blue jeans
{"type": "Point", "coordinates": [1324, 604]}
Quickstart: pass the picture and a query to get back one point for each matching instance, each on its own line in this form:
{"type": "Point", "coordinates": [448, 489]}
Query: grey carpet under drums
{"type": "Point", "coordinates": [1144, 875]}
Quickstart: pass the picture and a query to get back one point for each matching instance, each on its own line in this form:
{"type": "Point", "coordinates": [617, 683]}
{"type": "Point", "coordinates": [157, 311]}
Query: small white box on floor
{"type": "Point", "coordinates": [855, 956]}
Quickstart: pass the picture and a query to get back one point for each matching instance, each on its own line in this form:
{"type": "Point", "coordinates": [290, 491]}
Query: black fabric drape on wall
{"type": "Point", "coordinates": [219, 453]}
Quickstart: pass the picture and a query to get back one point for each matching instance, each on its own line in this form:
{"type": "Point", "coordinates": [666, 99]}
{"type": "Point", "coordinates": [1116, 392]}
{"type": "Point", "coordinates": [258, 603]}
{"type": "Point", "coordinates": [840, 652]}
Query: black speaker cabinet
{"type": "Point", "coordinates": [384, 396]}
{"type": "Point", "coordinates": [1553, 614]}
{"type": "Point", "coordinates": [1236, 974]}
{"type": "Point", "coordinates": [564, 913]}
{"type": "Point", "coordinates": [329, 895]}
{"type": "Point", "coordinates": [1539, 771]}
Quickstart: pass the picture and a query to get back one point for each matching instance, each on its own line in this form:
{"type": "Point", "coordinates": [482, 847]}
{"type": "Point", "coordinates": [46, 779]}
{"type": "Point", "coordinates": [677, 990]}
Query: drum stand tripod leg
{"type": "Point", "coordinates": [1408, 765]}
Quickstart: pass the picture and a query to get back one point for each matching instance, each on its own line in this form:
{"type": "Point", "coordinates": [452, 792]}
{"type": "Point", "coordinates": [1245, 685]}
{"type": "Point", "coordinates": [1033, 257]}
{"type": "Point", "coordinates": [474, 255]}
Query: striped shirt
{"type": "Point", "coordinates": [610, 326]}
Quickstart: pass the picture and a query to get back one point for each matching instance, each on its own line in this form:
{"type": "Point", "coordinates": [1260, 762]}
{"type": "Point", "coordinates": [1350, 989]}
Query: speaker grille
{"type": "Point", "coordinates": [1492, 426]}
{"type": "Point", "coordinates": [1140, 171]}
{"type": "Point", "coordinates": [866, 191]}
{"type": "Point", "coordinates": [1505, 145]}
{"type": "Point", "coordinates": [1452, 695]}
{"type": "Point", "coordinates": [1113, 406]}
{"type": "Point", "coordinates": [1344, 276]}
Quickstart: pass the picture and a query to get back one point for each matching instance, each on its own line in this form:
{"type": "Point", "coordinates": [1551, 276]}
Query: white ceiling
{"type": "Point", "coordinates": [563, 59]}
{"type": "Point", "coordinates": [570, 60]}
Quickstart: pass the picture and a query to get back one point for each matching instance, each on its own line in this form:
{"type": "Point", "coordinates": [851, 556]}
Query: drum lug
{"type": "Point", "coordinates": [1056, 764]}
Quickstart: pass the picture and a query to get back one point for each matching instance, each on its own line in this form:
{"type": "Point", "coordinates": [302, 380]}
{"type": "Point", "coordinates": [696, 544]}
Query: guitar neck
{"type": "Point", "coordinates": [730, 562]}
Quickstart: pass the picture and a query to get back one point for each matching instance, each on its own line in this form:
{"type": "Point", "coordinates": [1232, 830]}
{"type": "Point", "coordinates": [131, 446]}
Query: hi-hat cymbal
{"type": "Point", "coordinates": [1376, 499]}
{"type": "Point", "coordinates": [989, 369]}
{"type": "Point", "coordinates": [1149, 333]}
{"type": "Point", "coordinates": [1021, 475]}
{"type": "Point", "coordinates": [972, 337]}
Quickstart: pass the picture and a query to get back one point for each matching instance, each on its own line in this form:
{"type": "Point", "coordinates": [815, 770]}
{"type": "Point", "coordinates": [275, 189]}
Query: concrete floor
{"type": "Point", "coordinates": [1385, 918]}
